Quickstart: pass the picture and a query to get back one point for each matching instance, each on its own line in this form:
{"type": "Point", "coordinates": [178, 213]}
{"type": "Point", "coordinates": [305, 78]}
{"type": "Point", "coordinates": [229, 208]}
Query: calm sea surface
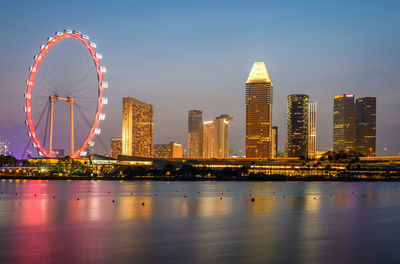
{"type": "Point", "coordinates": [199, 222]}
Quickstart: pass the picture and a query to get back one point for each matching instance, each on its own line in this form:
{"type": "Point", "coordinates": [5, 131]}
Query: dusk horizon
{"type": "Point", "coordinates": [177, 61]}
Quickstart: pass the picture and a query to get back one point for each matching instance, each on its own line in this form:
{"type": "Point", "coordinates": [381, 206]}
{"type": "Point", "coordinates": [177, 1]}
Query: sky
{"type": "Point", "coordinates": [182, 55]}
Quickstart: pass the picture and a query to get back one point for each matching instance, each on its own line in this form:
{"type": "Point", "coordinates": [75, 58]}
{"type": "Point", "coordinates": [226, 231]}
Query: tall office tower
{"type": "Point", "coordinates": [365, 121]}
{"type": "Point", "coordinates": [209, 140]}
{"type": "Point", "coordinates": [343, 123]}
{"type": "Point", "coordinates": [274, 142]}
{"type": "Point", "coordinates": [215, 137]}
{"type": "Point", "coordinates": [221, 124]}
{"type": "Point", "coordinates": [312, 141]}
{"type": "Point", "coordinates": [116, 147]}
{"type": "Point", "coordinates": [137, 128]}
{"type": "Point", "coordinates": [298, 106]}
{"type": "Point", "coordinates": [195, 134]}
{"type": "Point", "coordinates": [259, 99]}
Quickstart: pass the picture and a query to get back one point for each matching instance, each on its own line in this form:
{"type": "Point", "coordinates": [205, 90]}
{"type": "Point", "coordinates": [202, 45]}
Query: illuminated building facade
{"type": "Point", "coordinates": [259, 99]}
{"type": "Point", "coordinates": [298, 106]}
{"type": "Point", "coordinates": [137, 128]}
{"type": "Point", "coordinates": [209, 140]}
{"type": "Point", "coordinates": [176, 150]}
{"type": "Point", "coordinates": [274, 142]}
{"type": "Point", "coordinates": [343, 123]}
{"type": "Point", "coordinates": [312, 141]}
{"type": "Point", "coordinates": [365, 122]}
{"type": "Point", "coordinates": [116, 148]}
{"type": "Point", "coordinates": [215, 137]}
{"type": "Point", "coordinates": [171, 150]}
{"type": "Point", "coordinates": [195, 134]}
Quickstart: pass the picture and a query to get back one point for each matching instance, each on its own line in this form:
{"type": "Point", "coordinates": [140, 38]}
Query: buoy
{"type": "Point", "coordinates": [252, 199]}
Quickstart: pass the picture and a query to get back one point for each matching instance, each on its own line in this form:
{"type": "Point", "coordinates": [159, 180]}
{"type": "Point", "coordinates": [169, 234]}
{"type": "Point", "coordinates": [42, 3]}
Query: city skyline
{"type": "Point", "coordinates": [321, 68]}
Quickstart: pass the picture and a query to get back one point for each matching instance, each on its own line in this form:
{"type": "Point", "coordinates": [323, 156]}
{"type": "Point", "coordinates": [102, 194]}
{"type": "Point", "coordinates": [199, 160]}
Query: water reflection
{"type": "Point", "coordinates": [205, 222]}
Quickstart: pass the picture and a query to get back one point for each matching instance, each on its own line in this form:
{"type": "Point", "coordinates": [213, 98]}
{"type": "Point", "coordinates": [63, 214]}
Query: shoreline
{"type": "Point", "coordinates": [192, 179]}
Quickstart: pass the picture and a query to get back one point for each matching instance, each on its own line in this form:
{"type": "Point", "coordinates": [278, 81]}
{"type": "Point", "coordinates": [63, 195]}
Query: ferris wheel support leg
{"type": "Point", "coordinates": [51, 127]}
{"type": "Point", "coordinates": [71, 102]}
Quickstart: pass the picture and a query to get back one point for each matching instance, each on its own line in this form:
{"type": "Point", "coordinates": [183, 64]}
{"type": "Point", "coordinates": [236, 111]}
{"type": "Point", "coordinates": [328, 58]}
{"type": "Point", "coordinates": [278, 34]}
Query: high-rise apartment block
{"type": "Point", "coordinates": [343, 123]}
{"type": "Point", "coordinates": [195, 134]}
{"type": "Point", "coordinates": [312, 126]}
{"type": "Point", "coordinates": [259, 99]}
{"type": "Point", "coordinates": [215, 137]}
{"type": "Point", "coordinates": [171, 150]}
{"type": "Point", "coordinates": [137, 128]}
{"type": "Point", "coordinates": [116, 148]}
{"type": "Point", "coordinates": [365, 122]}
{"type": "Point", "coordinates": [298, 106]}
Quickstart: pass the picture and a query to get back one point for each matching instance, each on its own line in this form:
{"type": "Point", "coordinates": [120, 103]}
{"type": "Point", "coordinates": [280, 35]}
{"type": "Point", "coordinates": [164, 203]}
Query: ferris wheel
{"type": "Point", "coordinates": [65, 95]}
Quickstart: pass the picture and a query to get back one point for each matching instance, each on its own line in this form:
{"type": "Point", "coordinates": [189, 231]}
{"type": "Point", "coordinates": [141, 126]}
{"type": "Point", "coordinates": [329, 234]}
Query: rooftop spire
{"type": "Point", "coordinates": [258, 73]}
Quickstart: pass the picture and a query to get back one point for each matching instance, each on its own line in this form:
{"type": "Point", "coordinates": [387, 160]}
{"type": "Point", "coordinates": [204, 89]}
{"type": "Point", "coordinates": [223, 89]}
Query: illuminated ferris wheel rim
{"type": "Point", "coordinates": [101, 86]}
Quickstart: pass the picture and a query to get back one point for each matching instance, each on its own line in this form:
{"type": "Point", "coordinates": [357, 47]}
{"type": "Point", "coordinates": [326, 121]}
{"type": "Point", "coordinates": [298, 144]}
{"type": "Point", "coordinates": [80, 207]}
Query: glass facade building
{"type": "Point", "coordinates": [195, 134]}
{"type": "Point", "coordinates": [259, 99]}
{"type": "Point", "coordinates": [298, 106]}
{"type": "Point", "coordinates": [344, 132]}
{"type": "Point", "coordinates": [365, 122]}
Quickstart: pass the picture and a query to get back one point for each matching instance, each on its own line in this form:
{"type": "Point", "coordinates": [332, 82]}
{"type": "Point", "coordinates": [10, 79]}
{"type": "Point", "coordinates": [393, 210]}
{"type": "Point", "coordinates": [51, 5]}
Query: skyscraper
{"type": "Point", "coordinates": [298, 106]}
{"type": "Point", "coordinates": [259, 99]}
{"type": "Point", "coordinates": [195, 134]}
{"type": "Point", "coordinates": [274, 142]}
{"type": "Point", "coordinates": [343, 123]}
{"type": "Point", "coordinates": [209, 140]}
{"type": "Point", "coordinates": [116, 147]}
{"type": "Point", "coordinates": [312, 141]}
{"type": "Point", "coordinates": [365, 120]}
{"type": "Point", "coordinates": [221, 125]}
{"type": "Point", "coordinates": [137, 128]}
{"type": "Point", "coordinates": [215, 137]}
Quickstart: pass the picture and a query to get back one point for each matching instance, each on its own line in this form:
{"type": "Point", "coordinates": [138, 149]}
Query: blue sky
{"type": "Point", "coordinates": [181, 55]}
